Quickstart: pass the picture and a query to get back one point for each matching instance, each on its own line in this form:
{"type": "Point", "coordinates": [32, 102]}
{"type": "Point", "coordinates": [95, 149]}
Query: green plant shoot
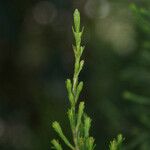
{"type": "Point", "coordinates": [116, 143]}
{"type": "Point", "coordinates": [80, 123]}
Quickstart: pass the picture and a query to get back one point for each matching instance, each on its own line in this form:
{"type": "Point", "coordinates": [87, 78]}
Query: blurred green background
{"type": "Point", "coordinates": [36, 57]}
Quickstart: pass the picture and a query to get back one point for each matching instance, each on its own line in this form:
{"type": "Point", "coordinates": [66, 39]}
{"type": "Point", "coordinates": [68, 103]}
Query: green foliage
{"type": "Point", "coordinates": [58, 129]}
{"type": "Point", "coordinates": [137, 75]}
{"type": "Point", "coordinates": [80, 123]}
{"type": "Point", "coordinates": [138, 99]}
{"type": "Point", "coordinates": [56, 144]}
{"type": "Point", "coordinates": [116, 143]}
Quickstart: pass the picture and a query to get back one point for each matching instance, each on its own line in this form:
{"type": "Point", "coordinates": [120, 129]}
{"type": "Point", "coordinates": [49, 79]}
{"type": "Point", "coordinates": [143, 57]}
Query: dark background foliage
{"type": "Point", "coordinates": [36, 57]}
